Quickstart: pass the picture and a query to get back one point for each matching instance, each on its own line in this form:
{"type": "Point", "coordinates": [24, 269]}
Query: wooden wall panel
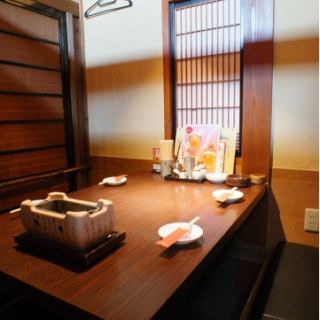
{"type": "Point", "coordinates": [295, 190]}
{"type": "Point", "coordinates": [257, 87]}
{"type": "Point", "coordinates": [21, 79]}
{"type": "Point", "coordinates": [19, 20]}
{"type": "Point", "coordinates": [12, 197]}
{"type": "Point", "coordinates": [106, 166]}
{"type": "Point", "coordinates": [28, 51]}
{"type": "Point", "coordinates": [64, 5]}
{"type": "Point", "coordinates": [31, 135]}
{"type": "Point", "coordinates": [39, 79]}
{"type": "Point", "coordinates": [29, 163]}
{"type": "Point", "coordinates": [30, 108]}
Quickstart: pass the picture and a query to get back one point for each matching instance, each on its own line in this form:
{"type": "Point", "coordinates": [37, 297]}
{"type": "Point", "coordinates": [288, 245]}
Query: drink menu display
{"type": "Point", "coordinates": [209, 145]}
{"type": "Point", "coordinates": [202, 143]}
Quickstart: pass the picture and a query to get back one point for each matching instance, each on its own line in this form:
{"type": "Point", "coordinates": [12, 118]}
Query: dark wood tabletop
{"type": "Point", "coordinates": [138, 278]}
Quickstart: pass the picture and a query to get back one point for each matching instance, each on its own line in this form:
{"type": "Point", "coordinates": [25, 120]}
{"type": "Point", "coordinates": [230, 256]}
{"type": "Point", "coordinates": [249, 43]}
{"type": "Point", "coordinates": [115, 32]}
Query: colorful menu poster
{"type": "Point", "coordinates": [229, 136]}
{"type": "Point", "coordinates": [202, 143]}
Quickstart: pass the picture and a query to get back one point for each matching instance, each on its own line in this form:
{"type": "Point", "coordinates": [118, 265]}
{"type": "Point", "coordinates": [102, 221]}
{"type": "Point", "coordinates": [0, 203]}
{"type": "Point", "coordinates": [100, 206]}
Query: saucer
{"type": "Point", "coordinates": [112, 181]}
{"type": "Point", "coordinates": [216, 177]}
{"type": "Point", "coordinates": [195, 233]}
{"type": "Point", "coordinates": [234, 197]}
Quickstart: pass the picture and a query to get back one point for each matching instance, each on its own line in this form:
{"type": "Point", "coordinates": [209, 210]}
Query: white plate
{"type": "Point", "coordinates": [195, 233]}
{"type": "Point", "coordinates": [112, 181]}
{"type": "Point", "coordinates": [234, 197]}
{"type": "Point", "coordinates": [216, 177]}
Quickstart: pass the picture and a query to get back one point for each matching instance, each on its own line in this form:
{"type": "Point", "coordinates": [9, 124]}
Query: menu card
{"type": "Point", "coordinates": [229, 137]}
{"type": "Point", "coordinates": [202, 143]}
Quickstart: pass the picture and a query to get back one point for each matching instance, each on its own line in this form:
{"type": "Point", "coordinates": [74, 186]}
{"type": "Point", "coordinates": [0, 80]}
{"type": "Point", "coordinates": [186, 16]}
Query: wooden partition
{"type": "Point", "coordinates": [257, 61]}
{"type": "Point", "coordinates": [42, 111]}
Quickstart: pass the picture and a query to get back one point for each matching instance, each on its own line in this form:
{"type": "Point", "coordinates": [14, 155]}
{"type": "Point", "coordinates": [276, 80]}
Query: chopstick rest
{"type": "Point", "coordinates": [175, 235]}
{"type": "Point", "coordinates": [113, 179]}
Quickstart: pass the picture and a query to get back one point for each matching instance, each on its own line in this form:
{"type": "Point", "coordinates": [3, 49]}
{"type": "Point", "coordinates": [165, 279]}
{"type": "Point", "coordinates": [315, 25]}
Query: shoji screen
{"type": "Point", "coordinates": [35, 121]}
{"type": "Point", "coordinates": [207, 45]}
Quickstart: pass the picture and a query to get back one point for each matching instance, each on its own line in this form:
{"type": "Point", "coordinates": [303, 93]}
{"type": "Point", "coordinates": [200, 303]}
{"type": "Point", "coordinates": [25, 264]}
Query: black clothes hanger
{"type": "Point", "coordinates": [100, 4]}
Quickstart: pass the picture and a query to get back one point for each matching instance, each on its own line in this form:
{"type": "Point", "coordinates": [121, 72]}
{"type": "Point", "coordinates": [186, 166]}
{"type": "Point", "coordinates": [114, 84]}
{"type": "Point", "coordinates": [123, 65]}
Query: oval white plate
{"type": "Point", "coordinates": [195, 233]}
{"type": "Point", "coordinates": [113, 182]}
{"type": "Point", "coordinates": [216, 177]}
{"type": "Point", "coordinates": [234, 197]}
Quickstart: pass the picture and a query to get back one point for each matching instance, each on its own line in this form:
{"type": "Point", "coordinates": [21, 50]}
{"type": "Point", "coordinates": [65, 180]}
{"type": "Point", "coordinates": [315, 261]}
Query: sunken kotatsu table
{"type": "Point", "coordinates": [139, 278]}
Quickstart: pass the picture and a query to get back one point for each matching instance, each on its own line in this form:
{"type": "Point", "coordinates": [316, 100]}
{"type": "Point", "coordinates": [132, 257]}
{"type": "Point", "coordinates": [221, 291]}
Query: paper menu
{"type": "Point", "coordinates": [230, 137]}
{"type": "Point", "coordinates": [202, 143]}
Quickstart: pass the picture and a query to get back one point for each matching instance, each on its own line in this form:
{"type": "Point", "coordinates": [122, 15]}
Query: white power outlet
{"type": "Point", "coordinates": [311, 220]}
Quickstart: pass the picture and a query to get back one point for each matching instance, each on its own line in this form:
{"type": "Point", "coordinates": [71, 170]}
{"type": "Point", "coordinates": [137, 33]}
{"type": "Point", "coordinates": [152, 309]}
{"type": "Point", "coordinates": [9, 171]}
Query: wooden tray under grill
{"type": "Point", "coordinates": [47, 248]}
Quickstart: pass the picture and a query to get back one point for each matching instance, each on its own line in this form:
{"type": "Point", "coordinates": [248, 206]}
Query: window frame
{"type": "Point", "coordinates": [257, 67]}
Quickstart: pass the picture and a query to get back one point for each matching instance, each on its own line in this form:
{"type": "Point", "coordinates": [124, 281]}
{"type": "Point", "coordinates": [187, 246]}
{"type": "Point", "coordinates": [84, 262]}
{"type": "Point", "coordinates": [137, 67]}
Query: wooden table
{"type": "Point", "coordinates": [136, 280]}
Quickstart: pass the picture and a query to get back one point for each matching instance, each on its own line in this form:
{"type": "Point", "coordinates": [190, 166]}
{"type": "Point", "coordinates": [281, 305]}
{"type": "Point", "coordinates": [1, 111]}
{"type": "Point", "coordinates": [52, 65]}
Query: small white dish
{"type": "Point", "coordinates": [216, 177]}
{"type": "Point", "coordinates": [195, 233]}
{"type": "Point", "coordinates": [112, 181]}
{"type": "Point", "coordinates": [234, 196]}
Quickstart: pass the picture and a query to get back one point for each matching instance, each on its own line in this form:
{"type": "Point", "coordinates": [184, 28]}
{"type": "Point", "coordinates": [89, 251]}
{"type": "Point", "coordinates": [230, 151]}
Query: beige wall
{"type": "Point", "coordinates": [125, 90]}
{"type": "Point", "coordinates": [124, 80]}
{"type": "Point", "coordinates": [296, 85]}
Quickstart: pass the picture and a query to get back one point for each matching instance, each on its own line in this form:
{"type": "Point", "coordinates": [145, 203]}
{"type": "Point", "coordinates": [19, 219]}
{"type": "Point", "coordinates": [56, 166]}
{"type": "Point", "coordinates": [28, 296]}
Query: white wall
{"type": "Point", "coordinates": [296, 85]}
{"type": "Point", "coordinates": [125, 80]}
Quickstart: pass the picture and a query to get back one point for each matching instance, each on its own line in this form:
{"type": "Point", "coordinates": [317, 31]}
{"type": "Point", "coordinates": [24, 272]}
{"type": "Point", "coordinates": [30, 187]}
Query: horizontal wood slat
{"type": "Point", "coordinates": [12, 197]}
{"type": "Point", "coordinates": [14, 107]}
{"type": "Point", "coordinates": [26, 22]}
{"type": "Point", "coordinates": [28, 51]}
{"type": "Point", "coordinates": [13, 78]}
{"type": "Point", "coordinates": [31, 135]}
{"type": "Point", "coordinates": [19, 165]}
{"type": "Point", "coordinates": [63, 5]}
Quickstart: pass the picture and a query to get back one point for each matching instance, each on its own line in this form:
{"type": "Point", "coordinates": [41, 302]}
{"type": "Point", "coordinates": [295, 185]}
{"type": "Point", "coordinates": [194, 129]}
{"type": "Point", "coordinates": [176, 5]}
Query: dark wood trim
{"type": "Point", "coordinates": [78, 100]}
{"type": "Point", "coordinates": [42, 176]}
{"type": "Point", "coordinates": [3, 152]}
{"type": "Point", "coordinates": [166, 70]}
{"type": "Point", "coordinates": [20, 93]}
{"type": "Point", "coordinates": [25, 36]}
{"type": "Point", "coordinates": [30, 121]}
{"type": "Point", "coordinates": [62, 5]}
{"type": "Point", "coordinates": [257, 84]}
{"type": "Point", "coordinates": [27, 65]}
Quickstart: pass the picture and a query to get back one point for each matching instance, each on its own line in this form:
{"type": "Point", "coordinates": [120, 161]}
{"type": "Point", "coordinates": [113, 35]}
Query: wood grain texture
{"type": "Point", "coordinates": [13, 107]}
{"type": "Point", "coordinates": [295, 190]}
{"type": "Point", "coordinates": [33, 135]}
{"type": "Point", "coordinates": [11, 197]}
{"type": "Point", "coordinates": [21, 79]}
{"type": "Point", "coordinates": [257, 86]}
{"type": "Point", "coordinates": [102, 167]}
{"type": "Point", "coordinates": [28, 163]}
{"type": "Point", "coordinates": [26, 22]}
{"type": "Point", "coordinates": [77, 95]}
{"type": "Point", "coordinates": [29, 51]}
{"type": "Point", "coordinates": [167, 71]}
{"type": "Point", "coordinates": [257, 83]}
{"type": "Point", "coordinates": [136, 280]}
{"type": "Point", "coordinates": [63, 5]}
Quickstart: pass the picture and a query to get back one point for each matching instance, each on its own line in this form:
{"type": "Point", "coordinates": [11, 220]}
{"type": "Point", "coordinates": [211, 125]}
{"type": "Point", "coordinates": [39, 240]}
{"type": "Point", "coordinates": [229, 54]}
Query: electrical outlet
{"type": "Point", "coordinates": [311, 220]}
